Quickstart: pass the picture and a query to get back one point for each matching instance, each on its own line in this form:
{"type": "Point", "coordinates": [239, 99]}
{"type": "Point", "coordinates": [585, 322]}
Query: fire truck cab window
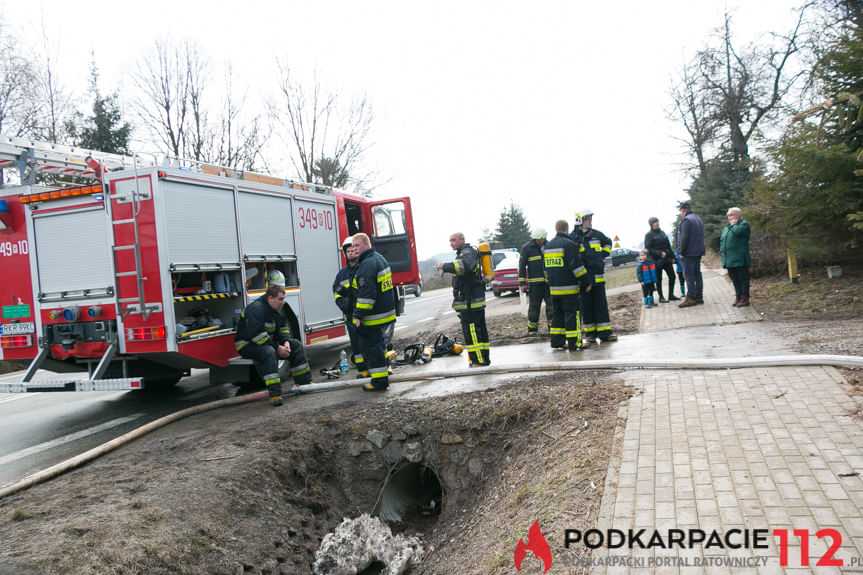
{"type": "Point", "coordinates": [354, 215]}
{"type": "Point", "coordinates": [389, 219]}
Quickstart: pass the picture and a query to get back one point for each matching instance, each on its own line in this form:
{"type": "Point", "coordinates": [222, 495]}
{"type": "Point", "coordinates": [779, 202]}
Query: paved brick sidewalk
{"type": "Point", "coordinates": [716, 310]}
{"type": "Point", "coordinates": [760, 448]}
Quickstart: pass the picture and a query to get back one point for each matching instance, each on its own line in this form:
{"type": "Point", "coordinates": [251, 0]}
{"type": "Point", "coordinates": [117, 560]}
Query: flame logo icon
{"type": "Point", "coordinates": [537, 544]}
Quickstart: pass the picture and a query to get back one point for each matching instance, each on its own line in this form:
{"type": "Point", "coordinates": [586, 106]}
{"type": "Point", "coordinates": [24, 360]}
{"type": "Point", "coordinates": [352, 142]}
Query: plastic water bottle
{"type": "Point", "coordinates": [343, 362]}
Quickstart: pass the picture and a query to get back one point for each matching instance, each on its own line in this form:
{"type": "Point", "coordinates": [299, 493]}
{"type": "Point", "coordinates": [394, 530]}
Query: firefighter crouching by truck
{"type": "Point", "coordinates": [375, 309]}
{"type": "Point", "coordinates": [263, 335]}
{"type": "Point", "coordinates": [567, 280]}
{"type": "Point", "coordinates": [468, 298]}
{"type": "Point", "coordinates": [346, 300]}
{"type": "Point", "coordinates": [531, 280]}
{"type": "Point", "coordinates": [596, 246]}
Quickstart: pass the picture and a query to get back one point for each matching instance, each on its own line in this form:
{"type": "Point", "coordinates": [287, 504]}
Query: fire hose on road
{"type": "Point", "coordinates": [422, 375]}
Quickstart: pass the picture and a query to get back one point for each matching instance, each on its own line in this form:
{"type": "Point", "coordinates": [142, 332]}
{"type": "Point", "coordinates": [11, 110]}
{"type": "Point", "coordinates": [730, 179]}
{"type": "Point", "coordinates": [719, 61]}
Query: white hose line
{"type": "Point", "coordinates": [109, 446]}
{"type": "Point", "coordinates": [420, 375]}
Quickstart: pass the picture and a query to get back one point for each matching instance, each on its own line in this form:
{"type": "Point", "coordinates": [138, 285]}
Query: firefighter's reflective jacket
{"type": "Point", "coordinates": [530, 267]}
{"type": "Point", "coordinates": [563, 267]}
{"type": "Point", "coordinates": [595, 248]}
{"type": "Point", "coordinates": [468, 287]}
{"type": "Point", "coordinates": [375, 304]}
{"type": "Point", "coordinates": [260, 324]}
{"type": "Point", "coordinates": [343, 293]}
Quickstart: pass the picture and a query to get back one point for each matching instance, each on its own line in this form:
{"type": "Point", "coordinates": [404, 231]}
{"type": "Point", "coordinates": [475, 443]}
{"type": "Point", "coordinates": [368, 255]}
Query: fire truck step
{"type": "Point", "coordinates": [123, 274]}
{"type": "Point", "coordinates": [126, 221]}
{"type": "Point", "coordinates": [119, 384]}
{"type": "Point", "coordinates": [120, 248]}
{"type": "Point", "coordinates": [201, 297]}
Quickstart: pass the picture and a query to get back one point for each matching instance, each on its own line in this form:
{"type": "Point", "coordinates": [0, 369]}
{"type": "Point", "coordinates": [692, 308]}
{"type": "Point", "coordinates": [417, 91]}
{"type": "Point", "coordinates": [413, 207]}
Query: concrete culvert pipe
{"type": "Point", "coordinates": [412, 492]}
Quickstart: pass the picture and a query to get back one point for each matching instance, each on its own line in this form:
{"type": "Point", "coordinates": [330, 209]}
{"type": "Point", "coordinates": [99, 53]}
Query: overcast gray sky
{"type": "Point", "coordinates": [554, 105]}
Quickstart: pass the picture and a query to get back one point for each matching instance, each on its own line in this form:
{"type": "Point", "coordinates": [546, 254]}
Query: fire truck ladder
{"type": "Point", "coordinates": [30, 158]}
{"type": "Point", "coordinates": [137, 304]}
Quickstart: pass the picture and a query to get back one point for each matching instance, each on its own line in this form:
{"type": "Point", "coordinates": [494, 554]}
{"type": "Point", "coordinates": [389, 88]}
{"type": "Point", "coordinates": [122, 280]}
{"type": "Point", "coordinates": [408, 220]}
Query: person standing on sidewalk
{"type": "Point", "coordinates": [690, 248]}
{"type": "Point", "coordinates": [567, 277]}
{"type": "Point", "coordinates": [659, 250]}
{"type": "Point", "coordinates": [596, 246]}
{"type": "Point", "coordinates": [734, 251]}
{"type": "Point", "coordinates": [468, 298]}
{"type": "Point", "coordinates": [374, 310]}
{"type": "Point", "coordinates": [531, 280]}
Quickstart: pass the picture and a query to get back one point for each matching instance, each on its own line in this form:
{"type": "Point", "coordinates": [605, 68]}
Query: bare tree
{"type": "Point", "coordinates": [20, 101]}
{"type": "Point", "coordinates": [166, 81]}
{"type": "Point", "coordinates": [58, 105]}
{"type": "Point", "coordinates": [691, 106]}
{"type": "Point", "coordinates": [20, 108]}
{"type": "Point", "coordinates": [325, 142]}
{"type": "Point", "coordinates": [232, 139]}
{"type": "Point", "coordinates": [725, 94]}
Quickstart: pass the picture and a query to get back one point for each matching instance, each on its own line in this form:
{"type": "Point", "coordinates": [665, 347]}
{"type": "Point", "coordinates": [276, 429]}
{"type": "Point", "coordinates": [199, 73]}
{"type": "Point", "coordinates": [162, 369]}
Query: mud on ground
{"type": "Point", "coordinates": [255, 490]}
{"type": "Point", "coordinates": [507, 326]}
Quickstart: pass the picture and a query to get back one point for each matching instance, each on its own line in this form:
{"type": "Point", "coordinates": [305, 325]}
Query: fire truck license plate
{"type": "Point", "coordinates": [16, 328]}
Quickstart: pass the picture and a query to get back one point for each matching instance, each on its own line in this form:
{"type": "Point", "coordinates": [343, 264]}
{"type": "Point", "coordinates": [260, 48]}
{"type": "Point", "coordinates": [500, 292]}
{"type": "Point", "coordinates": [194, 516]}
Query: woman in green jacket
{"type": "Point", "coordinates": [734, 250]}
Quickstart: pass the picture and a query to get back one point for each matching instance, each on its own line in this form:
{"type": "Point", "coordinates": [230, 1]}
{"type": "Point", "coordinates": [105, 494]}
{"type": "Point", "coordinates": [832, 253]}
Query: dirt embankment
{"type": "Point", "coordinates": [253, 490]}
{"type": "Point", "coordinates": [257, 491]}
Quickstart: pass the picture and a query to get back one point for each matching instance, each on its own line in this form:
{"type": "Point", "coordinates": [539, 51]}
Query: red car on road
{"type": "Point", "coordinates": [506, 275]}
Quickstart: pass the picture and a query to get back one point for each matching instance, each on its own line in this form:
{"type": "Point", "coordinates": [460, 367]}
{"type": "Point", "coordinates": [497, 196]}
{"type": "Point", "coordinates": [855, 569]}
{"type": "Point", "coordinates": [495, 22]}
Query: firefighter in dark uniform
{"type": "Point", "coordinates": [468, 298]}
{"type": "Point", "coordinates": [264, 335]}
{"type": "Point", "coordinates": [595, 248]}
{"type": "Point", "coordinates": [567, 278]}
{"type": "Point", "coordinates": [531, 279]}
{"type": "Point", "coordinates": [346, 299]}
{"type": "Point", "coordinates": [374, 310]}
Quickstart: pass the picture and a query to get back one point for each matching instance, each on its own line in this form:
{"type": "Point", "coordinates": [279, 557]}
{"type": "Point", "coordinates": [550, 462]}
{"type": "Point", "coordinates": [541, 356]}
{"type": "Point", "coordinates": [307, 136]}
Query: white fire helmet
{"type": "Point", "coordinates": [275, 277]}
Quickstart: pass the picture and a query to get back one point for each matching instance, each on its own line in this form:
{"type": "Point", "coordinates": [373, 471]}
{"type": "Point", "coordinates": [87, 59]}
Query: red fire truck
{"type": "Point", "coordinates": [142, 276]}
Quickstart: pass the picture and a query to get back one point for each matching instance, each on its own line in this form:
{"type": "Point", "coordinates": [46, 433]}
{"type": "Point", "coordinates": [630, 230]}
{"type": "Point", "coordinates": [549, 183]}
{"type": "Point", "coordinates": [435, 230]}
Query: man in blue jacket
{"type": "Point", "coordinates": [690, 248]}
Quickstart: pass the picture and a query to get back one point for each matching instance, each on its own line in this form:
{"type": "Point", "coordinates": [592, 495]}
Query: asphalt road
{"type": "Point", "coordinates": [41, 429]}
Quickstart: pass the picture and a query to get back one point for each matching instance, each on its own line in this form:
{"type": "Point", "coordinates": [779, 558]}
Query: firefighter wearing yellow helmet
{"type": "Point", "coordinates": [532, 280]}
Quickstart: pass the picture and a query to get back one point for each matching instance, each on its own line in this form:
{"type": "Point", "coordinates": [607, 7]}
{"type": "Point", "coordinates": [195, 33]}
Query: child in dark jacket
{"type": "Point", "coordinates": [646, 273]}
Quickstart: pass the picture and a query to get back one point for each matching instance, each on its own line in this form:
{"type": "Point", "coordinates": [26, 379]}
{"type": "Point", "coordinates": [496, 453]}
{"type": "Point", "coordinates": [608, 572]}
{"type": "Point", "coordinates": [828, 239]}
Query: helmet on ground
{"type": "Point", "coordinates": [652, 221]}
{"type": "Point", "coordinates": [275, 277]}
{"type": "Point", "coordinates": [457, 348]}
{"type": "Point", "coordinates": [538, 234]}
{"type": "Point", "coordinates": [586, 213]}
{"type": "Point", "coordinates": [577, 219]}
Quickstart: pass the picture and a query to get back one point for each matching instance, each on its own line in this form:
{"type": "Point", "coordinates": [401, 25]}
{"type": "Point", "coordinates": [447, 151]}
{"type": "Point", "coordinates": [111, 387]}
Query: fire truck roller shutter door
{"type": "Point", "coordinates": [318, 258]}
{"type": "Point", "coordinates": [210, 235]}
{"type": "Point", "coordinates": [266, 224]}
